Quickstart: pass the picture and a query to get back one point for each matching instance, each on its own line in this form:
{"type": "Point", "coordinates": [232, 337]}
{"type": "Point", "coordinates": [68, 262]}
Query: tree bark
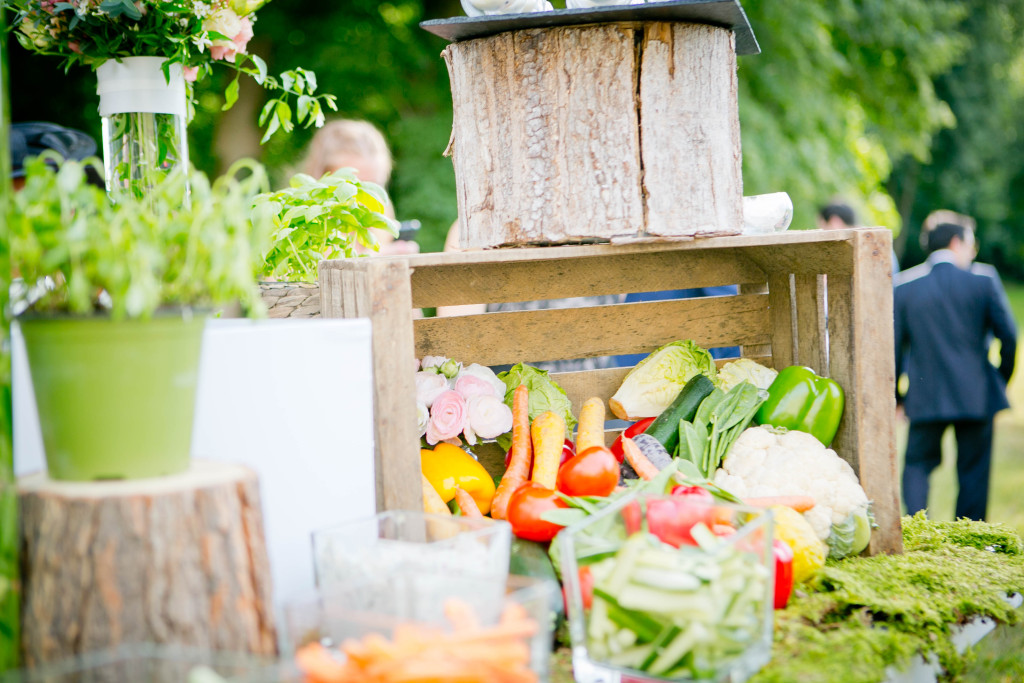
{"type": "Point", "coordinates": [171, 560]}
{"type": "Point", "coordinates": [588, 133]}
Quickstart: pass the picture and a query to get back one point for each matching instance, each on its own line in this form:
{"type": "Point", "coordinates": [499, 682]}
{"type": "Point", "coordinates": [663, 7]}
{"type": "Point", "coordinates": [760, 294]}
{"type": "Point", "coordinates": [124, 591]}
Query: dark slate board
{"type": "Point", "coordinates": [724, 13]}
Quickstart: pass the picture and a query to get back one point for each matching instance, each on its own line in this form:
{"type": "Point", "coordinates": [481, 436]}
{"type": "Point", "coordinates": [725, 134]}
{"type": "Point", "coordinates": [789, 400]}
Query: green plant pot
{"type": "Point", "coordinates": [115, 399]}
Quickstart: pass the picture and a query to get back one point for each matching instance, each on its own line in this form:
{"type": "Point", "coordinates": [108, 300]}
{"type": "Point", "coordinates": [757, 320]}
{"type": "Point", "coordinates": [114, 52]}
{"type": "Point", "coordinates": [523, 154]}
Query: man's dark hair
{"type": "Point", "coordinates": [843, 212]}
{"type": "Point", "coordinates": [942, 234]}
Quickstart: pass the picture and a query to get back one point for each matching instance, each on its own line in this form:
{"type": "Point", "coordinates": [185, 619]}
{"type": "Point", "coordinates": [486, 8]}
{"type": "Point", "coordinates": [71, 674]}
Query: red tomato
{"type": "Point", "coordinates": [629, 432]}
{"type": "Point", "coordinates": [594, 472]}
{"type": "Point", "coordinates": [586, 588]}
{"type": "Point", "coordinates": [527, 504]}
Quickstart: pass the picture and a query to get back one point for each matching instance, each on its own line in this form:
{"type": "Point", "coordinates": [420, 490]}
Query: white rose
{"type": "Point", "coordinates": [422, 418]}
{"type": "Point", "coordinates": [486, 374]}
{"type": "Point", "coordinates": [489, 417]}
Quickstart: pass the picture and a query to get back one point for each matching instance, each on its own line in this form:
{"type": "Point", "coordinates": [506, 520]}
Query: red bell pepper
{"type": "Point", "coordinates": [783, 572]}
{"type": "Point", "coordinates": [671, 520]}
{"type": "Point", "coordinates": [628, 433]}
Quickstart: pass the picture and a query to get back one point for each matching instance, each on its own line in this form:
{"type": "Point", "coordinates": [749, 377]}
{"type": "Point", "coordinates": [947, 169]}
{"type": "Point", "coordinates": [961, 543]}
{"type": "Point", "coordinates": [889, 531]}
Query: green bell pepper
{"type": "Point", "coordinates": [801, 400]}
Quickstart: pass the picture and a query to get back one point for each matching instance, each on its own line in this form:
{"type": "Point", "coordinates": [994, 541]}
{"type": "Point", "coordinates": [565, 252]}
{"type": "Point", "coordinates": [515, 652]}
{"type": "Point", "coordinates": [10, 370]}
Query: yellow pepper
{"type": "Point", "coordinates": [448, 466]}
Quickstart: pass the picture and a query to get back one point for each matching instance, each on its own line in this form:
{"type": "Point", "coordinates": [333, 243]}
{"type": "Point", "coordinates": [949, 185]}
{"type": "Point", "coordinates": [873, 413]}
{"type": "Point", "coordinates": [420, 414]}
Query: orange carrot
{"type": "Point", "coordinates": [466, 503]}
{"type": "Point", "coordinates": [318, 665]}
{"type": "Point", "coordinates": [798, 503]}
{"type": "Point", "coordinates": [590, 430]}
{"type": "Point", "coordinates": [548, 432]}
{"type": "Point", "coordinates": [518, 470]}
{"type": "Point", "coordinates": [644, 468]}
{"type": "Point", "coordinates": [432, 500]}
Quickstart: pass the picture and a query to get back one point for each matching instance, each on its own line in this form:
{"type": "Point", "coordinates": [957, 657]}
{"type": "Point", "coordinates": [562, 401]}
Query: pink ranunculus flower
{"type": "Point", "coordinates": [447, 417]}
{"type": "Point", "coordinates": [471, 385]}
{"type": "Point", "coordinates": [429, 386]}
{"type": "Point", "coordinates": [486, 374]}
{"type": "Point", "coordinates": [488, 417]}
{"type": "Point", "coordinates": [190, 73]}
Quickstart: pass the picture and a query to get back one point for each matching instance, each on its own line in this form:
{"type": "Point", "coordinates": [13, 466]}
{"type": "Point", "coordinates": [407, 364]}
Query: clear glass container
{"type": "Point", "coordinates": [697, 610]}
{"type": "Point", "coordinates": [335, 617]}
{"type": "Point", "coordinates": [434, 556]}
{"type": "Point", "coordinates": [144, 123]}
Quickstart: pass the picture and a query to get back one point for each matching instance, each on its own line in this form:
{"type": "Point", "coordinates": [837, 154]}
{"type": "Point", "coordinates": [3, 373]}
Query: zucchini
{"type": "Point", "coordinates": [665, 427]}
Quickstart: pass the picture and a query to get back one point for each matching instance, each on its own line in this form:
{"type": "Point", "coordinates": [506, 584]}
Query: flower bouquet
{"type": "Point", "coordinates": [147, 54]}
{"type": "Point", "coordinates": [455, 402]}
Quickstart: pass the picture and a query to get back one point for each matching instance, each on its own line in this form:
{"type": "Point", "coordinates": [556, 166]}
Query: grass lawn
{"type": "Point", "coordinates": [1006, 504]}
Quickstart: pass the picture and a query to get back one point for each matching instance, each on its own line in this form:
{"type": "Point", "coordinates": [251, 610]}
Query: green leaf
{"type": "Point", "coordinates": [261, 67]}
{"type": "Point", "coordinates": [267, 110]}
{"type": "Point", "coordinates": [303, 107]}
{"type": "Point", "coordinates": [230, 95]}
{"type": "Point", "coordinates": [116, 8]}
{"type": "Point", "coordinates": [564, 516]}
{"type": "Point", "coordinates": [271, 129]}
{"type": "Point", "coordinates": [284, 115]}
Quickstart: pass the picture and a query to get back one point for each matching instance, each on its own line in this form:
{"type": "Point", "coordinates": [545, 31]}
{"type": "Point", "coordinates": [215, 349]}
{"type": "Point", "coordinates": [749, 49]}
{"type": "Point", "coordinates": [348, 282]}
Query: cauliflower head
{"type": "Point", "coordinates": [766, 461]}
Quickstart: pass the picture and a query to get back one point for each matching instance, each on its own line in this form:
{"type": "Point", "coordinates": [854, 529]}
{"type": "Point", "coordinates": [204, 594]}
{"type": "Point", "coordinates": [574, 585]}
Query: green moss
{"type": "Point", "coordinates": [868, 613]}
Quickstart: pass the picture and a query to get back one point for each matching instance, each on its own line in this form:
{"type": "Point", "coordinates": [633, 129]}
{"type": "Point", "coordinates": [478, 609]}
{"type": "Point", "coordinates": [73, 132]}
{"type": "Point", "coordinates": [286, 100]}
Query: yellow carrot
{"type": "Point", "coordinates": [548, 432]}
{"type": "Point", "coordinates": [466, 503]}
{"type": "Point", "coordinates": [518, 470]}
{"type": "Point", "coordinates": [590, 431]}
{"type": "Point", "coordinates": [432, 501]}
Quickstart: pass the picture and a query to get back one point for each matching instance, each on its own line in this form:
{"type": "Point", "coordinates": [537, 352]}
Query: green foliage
{"type": "Point", "coordinates": [976, 168]}
{"type": "Point", "coordinates": [321, 219]}
{"type": "Point", "coordinates": [142, 253]}
{"type": "Point", "coordinates": [872, 612]}
{"type": "Point", "coordinates": [839, 90]}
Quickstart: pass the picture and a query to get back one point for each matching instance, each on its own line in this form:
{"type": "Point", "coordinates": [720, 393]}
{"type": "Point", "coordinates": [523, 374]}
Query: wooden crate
{"type": "Point", "coordinates": [818, 298]}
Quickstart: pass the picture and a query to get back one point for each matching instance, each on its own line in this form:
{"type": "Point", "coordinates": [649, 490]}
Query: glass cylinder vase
{"type": "Point", "coordinates": [144, 123]}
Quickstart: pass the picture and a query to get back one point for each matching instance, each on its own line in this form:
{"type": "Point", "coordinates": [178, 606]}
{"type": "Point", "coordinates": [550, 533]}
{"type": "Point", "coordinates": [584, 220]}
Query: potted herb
{"type": "Point", "coordinates": [315, 220]}
{"type": "Point", "coordinates": [119, 297]}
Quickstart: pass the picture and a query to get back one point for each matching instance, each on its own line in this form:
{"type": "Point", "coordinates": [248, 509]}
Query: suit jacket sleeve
{"type": "Point", "coordinates": [1004, 328]}
{"type": "Point", "coordinates": [899, 330]}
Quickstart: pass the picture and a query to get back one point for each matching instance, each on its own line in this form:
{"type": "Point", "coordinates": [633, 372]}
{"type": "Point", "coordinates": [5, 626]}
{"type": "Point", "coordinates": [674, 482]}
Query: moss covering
{"type": "Point", "coordinates": [867, 613]}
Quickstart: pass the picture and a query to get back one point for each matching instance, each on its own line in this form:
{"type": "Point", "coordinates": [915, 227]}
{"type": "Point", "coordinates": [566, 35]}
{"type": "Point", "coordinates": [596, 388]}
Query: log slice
{"type": "Point", "coordinates": [170, 560]}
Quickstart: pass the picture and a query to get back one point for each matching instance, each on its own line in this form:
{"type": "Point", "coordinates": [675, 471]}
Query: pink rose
{"type": "Point", "coordinates": [227, 23]}
{"type": "Point", "coordinates": [447, 417]}
{"type": "Point", "coordinates": [488, 417]}
{"type": "Point", "coordinates": [190, 73]}
{"type": "Point", "coordinates": [471, 385]}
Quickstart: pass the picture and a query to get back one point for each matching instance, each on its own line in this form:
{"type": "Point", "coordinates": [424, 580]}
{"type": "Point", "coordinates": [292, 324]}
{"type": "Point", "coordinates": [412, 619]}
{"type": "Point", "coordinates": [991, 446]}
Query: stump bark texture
{"type": "Point", "coordinates": [179, 560]}
{"type": "Point", "coordinates": [588, 133]}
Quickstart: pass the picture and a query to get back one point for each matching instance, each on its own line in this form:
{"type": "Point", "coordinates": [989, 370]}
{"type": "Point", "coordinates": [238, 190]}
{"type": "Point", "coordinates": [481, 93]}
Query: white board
{"type": "Point", "coordinates": [293, 400]}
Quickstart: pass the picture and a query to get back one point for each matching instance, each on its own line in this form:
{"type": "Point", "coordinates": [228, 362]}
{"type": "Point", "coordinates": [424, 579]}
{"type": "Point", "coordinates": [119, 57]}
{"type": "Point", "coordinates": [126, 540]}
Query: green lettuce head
{"type": "Point", "coordinates": [655, 382]}
{"type": "Point", "coordinates": [544, 395]}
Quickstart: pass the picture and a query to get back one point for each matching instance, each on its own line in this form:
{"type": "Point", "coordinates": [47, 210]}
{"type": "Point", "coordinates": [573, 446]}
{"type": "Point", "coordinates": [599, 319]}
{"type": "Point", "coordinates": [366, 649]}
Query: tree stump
{"type": "Point", "coordinates": [592, 132]}
{"type": "Point", "coordinates": [169, 560]}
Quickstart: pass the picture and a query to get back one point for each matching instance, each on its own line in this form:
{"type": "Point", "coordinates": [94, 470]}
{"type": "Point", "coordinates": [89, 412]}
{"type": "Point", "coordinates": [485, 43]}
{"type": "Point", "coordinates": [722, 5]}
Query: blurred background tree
{"type": "Point", "coordinates": [900, 106]}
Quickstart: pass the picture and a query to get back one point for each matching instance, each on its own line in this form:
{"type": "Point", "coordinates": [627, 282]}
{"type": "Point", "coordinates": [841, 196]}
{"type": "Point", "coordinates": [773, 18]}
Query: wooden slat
{"type": "Point", "coordinates": [488, 282]}
{"type": "Point", "coordinates": [862, 361]}
{"type": "Point", "coordinates": [379, 289]}
{"type": "Point", "coordinates": [810, 322]}
{"type": "Point", "coordinates": [532, 336]}
{"type": "Point", "coordinates": [781, 311]}
{"type": "Point", "coordinates": [756, 350]}
{"type": "Point", "coordinates": [802, 258]}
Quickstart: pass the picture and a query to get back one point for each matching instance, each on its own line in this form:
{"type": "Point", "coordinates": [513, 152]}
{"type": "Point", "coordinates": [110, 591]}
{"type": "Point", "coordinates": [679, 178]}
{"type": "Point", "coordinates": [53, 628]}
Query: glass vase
{"type": "Point", "coordinates": [144, 123]}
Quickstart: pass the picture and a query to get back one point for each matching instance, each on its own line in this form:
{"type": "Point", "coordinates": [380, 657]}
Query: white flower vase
{"type": "Point", "coordinates": [144, 123]}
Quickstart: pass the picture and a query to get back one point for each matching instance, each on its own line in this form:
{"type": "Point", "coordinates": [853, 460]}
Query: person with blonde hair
{"type": "Point", "coordinates": [347, 143]}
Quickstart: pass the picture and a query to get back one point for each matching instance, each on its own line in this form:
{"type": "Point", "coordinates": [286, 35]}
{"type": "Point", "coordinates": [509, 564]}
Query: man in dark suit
{"type": "Point", "coordinates": [945, 316]}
